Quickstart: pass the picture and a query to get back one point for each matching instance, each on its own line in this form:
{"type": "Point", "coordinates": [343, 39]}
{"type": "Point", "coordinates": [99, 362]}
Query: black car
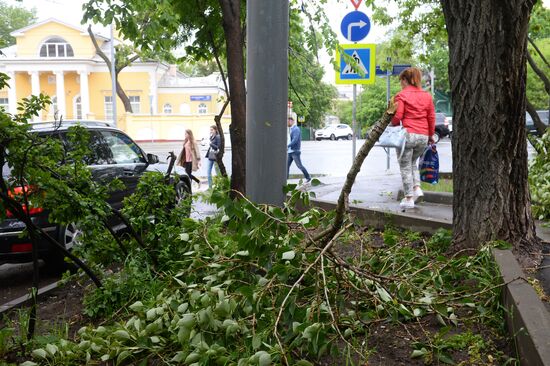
{"type": "Point", "coordinates": [441, 127]}
{"type": "Point", "coordinates": [530, 125]}
{"type": "Point", "coordinates": [113, 155]}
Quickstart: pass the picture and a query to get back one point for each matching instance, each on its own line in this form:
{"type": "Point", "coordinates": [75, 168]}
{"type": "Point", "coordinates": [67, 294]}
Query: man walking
{"type": "Point", "coordinates": [294, 144]}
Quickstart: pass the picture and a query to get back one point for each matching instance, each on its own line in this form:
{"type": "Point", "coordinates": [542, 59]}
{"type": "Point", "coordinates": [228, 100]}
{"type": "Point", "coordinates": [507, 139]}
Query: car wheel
{"type": "Point", "coordinates": [318, 139]}
{"type": "Point", "coordinates": [436, 137]}
{"type": "Point", "coordinates": [69, 236]}
{"type": "Point", "coordinates": [332, 137]}
{"type": "Point", "coordinates": [350, 136]}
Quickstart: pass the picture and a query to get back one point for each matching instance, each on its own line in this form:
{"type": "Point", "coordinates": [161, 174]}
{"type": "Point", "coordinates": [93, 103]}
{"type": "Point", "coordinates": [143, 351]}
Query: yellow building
{"type": "Point", "coordinates": [59, 60]}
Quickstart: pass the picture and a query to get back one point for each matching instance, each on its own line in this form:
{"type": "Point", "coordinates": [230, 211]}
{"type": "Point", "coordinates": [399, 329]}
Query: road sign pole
{"type": "Point", "coordinates": [388, 96]}
{"type": "Point", "coordinates": [267, 100]}
{"type": "Point", "coordinates": [354, 121]}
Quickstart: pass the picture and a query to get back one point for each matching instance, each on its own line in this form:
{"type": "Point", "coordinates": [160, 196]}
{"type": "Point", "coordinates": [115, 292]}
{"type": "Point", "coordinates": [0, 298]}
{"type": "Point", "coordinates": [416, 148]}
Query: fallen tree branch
{"type": "Point", "coordinates": [343, 200]}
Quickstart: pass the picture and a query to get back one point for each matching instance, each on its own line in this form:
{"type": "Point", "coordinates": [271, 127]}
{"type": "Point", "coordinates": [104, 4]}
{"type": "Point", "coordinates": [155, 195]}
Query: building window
{"type": "Point", "coordinates": [167, 108]}
{"type": "Point", "coordinates": [108, 101]}
{"type": "Point", "coordinates": [4, 104]}
{"type": "Point", "coordinates": [78, 107]}
{"type": "Point", "coordinates": [56, 47]}
{"type": "Point", "coordinates": [135, 103]}
{"type": "Point", "coordinates": [202, 108]}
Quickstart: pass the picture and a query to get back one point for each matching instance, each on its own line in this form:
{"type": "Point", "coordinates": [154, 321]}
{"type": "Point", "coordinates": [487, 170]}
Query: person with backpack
{"type": "Point", "coordinates": [415, 111]}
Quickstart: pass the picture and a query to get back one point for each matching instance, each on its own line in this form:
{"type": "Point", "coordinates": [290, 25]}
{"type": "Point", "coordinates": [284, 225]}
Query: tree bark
{"type": "Point", "coordinates": [487, 72]}
{"type": "Point", "coordinates": [231, 11]}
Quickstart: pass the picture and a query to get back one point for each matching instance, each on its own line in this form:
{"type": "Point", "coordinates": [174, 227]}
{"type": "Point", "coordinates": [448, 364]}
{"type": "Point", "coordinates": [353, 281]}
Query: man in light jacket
{"type": "Point", "coordinates": [294, 144]}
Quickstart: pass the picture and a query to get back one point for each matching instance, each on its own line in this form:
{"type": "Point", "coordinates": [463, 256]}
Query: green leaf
{"type": "Point", "coordinates": [445, 358]}
{"type": "Point", "coordinates": [419, 352]}
{"type": "Point", "coordinates": [264, 358]}
{"type": "Point", "coordinates": [29, 363]}
{"type": "Point", "coordinates": [178, 357]}
{"type": "Point", "coordinates": [122, 356]}
{"type": "Point", "coordinates": [384, 296]}
{"type": "Point", "coordinates": [191, 358]}
{"type": "Point", "coordinates": [137, 306]}
{"type": "Point", "coordinates": [289, 255]}
{"type": "Point", "coordinates": [39, 353]}
{"type": "Point", "coordinates": [121, 334]}
{"type": "Point", "coordinates": [256, 341]}
{"type": "Point", "coordinates": [51, 349]}
{"type": "Point", "coordinates": [303, 363]}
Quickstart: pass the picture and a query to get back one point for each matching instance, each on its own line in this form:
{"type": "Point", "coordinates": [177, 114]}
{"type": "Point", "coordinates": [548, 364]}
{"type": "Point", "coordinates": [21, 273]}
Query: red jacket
{"type": "Point", "coordinates": [415, 108]}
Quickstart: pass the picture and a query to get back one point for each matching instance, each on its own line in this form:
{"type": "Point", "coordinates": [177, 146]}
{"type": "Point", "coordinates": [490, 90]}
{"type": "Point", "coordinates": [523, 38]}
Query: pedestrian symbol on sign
{"type": "Point", "coordinates": [351, 69]}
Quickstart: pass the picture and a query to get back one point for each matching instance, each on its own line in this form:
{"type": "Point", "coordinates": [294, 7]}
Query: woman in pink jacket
{"type": "Point", "coordinates": [415, 110]}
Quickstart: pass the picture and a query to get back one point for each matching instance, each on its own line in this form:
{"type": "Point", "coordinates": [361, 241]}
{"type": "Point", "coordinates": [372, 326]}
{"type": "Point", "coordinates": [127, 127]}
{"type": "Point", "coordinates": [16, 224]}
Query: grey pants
{"type": "Point", "coordinates": [408, 164]}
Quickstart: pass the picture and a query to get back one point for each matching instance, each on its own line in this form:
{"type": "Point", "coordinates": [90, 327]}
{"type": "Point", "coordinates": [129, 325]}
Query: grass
{"type": "Point", "coordinates": [444, 185]}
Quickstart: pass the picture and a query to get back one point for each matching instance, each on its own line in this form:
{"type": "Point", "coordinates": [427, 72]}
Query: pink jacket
{"type": "Point", "coordinates": [415, 108]}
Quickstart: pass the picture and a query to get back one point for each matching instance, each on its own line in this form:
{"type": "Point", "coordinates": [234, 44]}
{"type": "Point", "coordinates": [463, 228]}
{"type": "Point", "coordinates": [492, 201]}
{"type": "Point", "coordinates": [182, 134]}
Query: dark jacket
{"type": "Point", "coordinates": [215, 142]}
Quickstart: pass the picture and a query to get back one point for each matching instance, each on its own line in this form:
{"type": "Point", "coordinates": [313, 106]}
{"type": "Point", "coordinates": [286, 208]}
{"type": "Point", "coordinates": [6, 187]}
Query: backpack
{"type": "Point", "coordinates": [429, 165]}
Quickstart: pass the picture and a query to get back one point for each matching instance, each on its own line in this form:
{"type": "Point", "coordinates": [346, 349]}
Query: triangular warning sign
{"type": "Point", "coordinates": [350, 69]}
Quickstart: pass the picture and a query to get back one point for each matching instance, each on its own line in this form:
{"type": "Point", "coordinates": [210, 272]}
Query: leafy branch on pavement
{"type": "Point", "coordinates": [343, 200]}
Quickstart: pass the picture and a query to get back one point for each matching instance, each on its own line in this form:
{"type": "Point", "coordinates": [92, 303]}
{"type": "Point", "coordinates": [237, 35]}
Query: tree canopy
{"type": "Point", "coordinates": [13, 18]}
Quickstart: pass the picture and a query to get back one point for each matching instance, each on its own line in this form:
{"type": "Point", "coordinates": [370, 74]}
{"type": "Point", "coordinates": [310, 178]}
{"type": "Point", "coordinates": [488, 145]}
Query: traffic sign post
{"type": "Point", "coordinates": [358, 67]}
{"type": "Point", "coordinates": [357, 63]}
{"type": "Point", "coordinates": [355, 26]}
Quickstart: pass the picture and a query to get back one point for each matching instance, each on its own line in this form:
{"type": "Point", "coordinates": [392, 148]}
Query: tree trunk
{"type": "Point", "coordinates": [123, 97]}
{"type": "Point", "coordinates": [487, 72]}
{"type": "Point", "coordinates": [120, 92]}
{"type": "Point", "coordinates": [231, 10]}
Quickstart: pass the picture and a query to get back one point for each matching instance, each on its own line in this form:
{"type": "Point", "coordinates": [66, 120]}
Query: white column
{"type": "Point", "coordinates": [35, 82]}
{"type": "Point", "coordinates": [84, 94]}
{"type": "Point", "coordinates": [153, 92]}
{"type": "Point", "coordinates": [12, 96]}
{"type": "Point", "coordinates": [60, 93]}
{"type": "Point", "coordinates": [35, 88]}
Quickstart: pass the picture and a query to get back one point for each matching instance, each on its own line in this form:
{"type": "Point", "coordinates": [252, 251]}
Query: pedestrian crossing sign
{"type": "Point", "coordinates": [357, 64]}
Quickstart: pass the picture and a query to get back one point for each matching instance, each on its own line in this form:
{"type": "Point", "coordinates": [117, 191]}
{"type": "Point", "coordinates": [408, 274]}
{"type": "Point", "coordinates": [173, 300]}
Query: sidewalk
{"type": "Point", "coordinates": [379, 194]}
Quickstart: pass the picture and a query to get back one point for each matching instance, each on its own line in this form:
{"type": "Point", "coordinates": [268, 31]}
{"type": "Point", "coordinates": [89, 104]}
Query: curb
{"type": "Point", "coordinates": [25, 299]}
{"type": "Point", "coordinates": [527, 318]}
{"type": "Point", "coordinates": [442, 198]}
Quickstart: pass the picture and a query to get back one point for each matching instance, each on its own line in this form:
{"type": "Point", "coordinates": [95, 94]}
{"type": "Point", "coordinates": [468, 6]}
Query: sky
{"type": "Point", "coordinates": [70, 11]}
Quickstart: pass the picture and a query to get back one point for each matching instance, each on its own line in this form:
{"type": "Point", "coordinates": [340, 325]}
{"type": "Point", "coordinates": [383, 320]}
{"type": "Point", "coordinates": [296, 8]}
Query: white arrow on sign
{"type": "Point", "coordinates": [359, 24]}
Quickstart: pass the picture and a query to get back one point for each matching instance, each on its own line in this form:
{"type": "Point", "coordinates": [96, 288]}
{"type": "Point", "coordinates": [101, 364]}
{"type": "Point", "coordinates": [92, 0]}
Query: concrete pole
{"type": "Point", "coordinates": [113, 76]}
{"type": "Point", "coordinates": [266, 100]}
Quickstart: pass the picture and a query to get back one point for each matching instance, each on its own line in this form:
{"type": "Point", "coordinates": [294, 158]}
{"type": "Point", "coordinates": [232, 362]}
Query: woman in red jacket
{"type": "Point", "coordinates": [415, 110]}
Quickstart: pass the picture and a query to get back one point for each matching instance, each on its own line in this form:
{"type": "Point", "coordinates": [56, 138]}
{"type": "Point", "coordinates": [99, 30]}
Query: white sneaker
{"type": "Point", "coordinates": [405, 203]}
{"type": "Point", "coordinates": [418, 195]}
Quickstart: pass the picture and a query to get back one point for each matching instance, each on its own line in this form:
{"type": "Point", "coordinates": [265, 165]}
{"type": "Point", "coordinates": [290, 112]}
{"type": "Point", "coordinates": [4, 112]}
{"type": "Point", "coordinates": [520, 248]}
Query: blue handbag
{"type": "Point", "coordinates": [429, 165]}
